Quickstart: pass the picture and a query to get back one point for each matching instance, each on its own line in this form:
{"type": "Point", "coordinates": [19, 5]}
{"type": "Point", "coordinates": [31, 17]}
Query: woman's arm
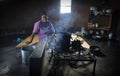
{"type": "Point", "coordinates": [35, 31]}
{"type": "Point", "coordinates": [31, 38]}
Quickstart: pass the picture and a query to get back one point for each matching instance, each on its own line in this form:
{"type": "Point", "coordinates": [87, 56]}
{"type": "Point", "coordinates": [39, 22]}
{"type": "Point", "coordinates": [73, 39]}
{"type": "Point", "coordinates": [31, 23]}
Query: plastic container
{"type": "Point", "coordinates": [25, 52]}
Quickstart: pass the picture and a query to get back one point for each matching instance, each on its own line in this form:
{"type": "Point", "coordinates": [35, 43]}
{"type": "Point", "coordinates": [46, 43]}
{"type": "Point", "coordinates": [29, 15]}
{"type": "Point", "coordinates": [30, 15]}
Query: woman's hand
{"type": "Point", "coordinates": [31, 38]}
{"type": "Point", "coordinates": [28, 42]}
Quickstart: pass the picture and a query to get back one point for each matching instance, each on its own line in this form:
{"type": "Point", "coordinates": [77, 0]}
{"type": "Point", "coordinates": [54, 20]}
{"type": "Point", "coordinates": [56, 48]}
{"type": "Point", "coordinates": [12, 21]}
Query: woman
{"type": "Point", "coordinates": [45, 30]}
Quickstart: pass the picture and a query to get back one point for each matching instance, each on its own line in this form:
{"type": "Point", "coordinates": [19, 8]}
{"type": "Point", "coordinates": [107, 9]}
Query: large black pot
{"type": "Point", "coordinates": [61, 42]}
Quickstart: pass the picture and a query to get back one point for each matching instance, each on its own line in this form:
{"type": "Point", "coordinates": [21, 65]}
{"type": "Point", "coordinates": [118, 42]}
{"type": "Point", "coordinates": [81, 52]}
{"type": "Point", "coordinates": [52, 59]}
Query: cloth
{"type": "Point", "coordinates": [43, 29]}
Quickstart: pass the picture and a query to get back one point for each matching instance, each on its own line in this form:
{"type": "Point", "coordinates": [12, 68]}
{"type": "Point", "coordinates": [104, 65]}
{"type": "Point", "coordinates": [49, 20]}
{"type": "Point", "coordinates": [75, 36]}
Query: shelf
{"type": "Point", "coordinates": [99, 22]}
{"type": "Point", "coordinates": [99, 28]}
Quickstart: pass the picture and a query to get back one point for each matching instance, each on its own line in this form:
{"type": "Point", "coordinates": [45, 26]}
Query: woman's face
{"type": "Point", "coordinates": [44, 18]}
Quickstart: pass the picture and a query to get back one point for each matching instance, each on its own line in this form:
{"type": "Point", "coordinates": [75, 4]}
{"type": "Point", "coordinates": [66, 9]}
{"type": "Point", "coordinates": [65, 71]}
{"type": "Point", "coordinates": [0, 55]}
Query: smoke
{"type": "Point", "coordinates": [61, 22]}
{"type": "Point", "coordinates": [64, 23]}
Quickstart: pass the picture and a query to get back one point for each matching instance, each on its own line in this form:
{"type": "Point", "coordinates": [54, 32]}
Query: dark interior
{"type": "Point", "coordinates": [17, 18]}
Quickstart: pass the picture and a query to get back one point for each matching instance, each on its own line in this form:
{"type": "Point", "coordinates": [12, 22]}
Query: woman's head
{"type": "Point", "coordinates": [44, 18]}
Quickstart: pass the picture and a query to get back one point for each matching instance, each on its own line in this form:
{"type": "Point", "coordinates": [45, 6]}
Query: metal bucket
{"type": "Point", "coordinates": [25, 52]}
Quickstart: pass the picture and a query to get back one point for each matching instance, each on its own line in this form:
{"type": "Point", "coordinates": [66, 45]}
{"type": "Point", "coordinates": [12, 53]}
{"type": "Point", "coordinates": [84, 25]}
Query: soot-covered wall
{"type": "Point", "coordinates": [19, 16]}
